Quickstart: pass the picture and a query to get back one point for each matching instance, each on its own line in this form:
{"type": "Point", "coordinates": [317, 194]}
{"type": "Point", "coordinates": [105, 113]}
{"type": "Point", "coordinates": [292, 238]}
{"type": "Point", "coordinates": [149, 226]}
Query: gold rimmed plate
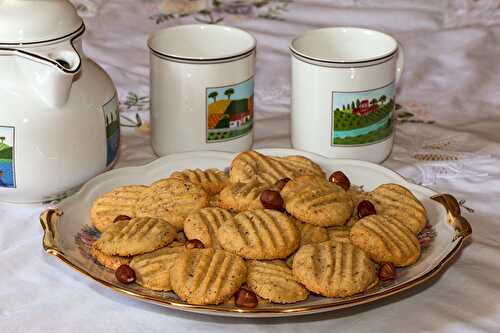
{"type": "Point", "coordinates": [68, 233]}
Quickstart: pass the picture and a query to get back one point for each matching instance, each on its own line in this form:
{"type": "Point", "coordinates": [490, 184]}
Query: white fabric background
{"type": "Point", "coordinates": [452, 78]}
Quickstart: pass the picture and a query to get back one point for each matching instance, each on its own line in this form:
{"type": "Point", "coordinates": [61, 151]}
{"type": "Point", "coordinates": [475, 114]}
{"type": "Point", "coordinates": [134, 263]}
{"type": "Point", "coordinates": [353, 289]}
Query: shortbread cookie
{"type": "Point", "coordinates": [274, 281]}
{"type": "Point", "coordinates": [310, 233]}
{"type": "Point", "coordinates": [339, 234]}
{"type": "Point", "coordinates": [136, 236]}
{"type": "Point", "coordinates": [110, 205]}
{"type": "Point", "coordinates": [252, 165]}
{"type": "Point", "coordinates": [315, 200]}
{"type": "Point", "coordinates": [152, 270]}
{"type": "Point", "coordinates": [238, 197]}
{"type": "Point", "coordinates": [386, 239]}
{"type": "Point", "coordinates": [211, 180]}
{"type": "Point", "coordinates": [172, 199]}
{"type": "Point", "coordinates": [400, 203]}
{"type": "Point", "coordinates": [259, 234]}
{"type": "Point", "coordinates": [207, 276]}
{"type": "Point", "coordinates": [111, 262]}
{"type": "Point", "coordinates": [334, 269]}
{"type": "Point", "coordinates": [203, 225]}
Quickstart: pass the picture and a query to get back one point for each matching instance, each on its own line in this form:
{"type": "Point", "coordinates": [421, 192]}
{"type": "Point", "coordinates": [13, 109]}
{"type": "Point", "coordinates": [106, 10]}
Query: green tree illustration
{"type": "Point", "coordinates": [382, 99]}
{"type": "Point", "coordinates": [353, 106]}
{"type": "Point", "coordinates": [373, 101]}
{"type": "Point", "coordinates": [229, 92]}
{"type": "Point", "coordinates": [213, 95]}
{"type": "Point", "coordinates": [2, 138]}
{"type": "Point", "coordinates": [358, 103]}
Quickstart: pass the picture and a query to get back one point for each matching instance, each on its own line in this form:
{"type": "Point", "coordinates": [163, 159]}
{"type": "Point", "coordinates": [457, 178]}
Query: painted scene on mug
{"type": "Point", "coordinates": [229, 111]}
{"type": "Point", "coordinates": [362, 117]}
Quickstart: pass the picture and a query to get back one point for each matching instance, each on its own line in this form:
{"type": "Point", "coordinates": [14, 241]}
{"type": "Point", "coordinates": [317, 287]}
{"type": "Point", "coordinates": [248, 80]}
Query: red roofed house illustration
{"type": "Point", "coordinates": [239, 119]}
{"type": "Point", "coordinates": [365, 108]}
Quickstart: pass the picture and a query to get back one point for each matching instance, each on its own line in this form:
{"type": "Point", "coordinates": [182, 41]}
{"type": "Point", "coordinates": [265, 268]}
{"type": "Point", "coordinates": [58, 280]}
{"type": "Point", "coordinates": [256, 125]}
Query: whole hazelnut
{"type": "Point", "coordinates": [366, 208]}
{"type": "Point", "coordinates": [281, 183]}
{"type": "Point", "coordinates": [246, 298]}
{"type": "Point", "coordinates": [194, 244]}
{"type": "Point", "coordinates": [122, 218]}
{"type": "Point", "coordinates": [271, 200]}
{"type": "Point", "coordinates": [387, 271]}
{"type": "Point", "coordinates": [339, 178]}
{"type": "Point", "coordinates": [125, 274]}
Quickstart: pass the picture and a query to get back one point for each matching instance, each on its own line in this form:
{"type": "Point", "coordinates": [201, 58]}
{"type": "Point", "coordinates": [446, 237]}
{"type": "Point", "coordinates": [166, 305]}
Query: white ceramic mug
{"type": "Point", "coordinates": [343, 92]}
{"type": "Point", "coordinates": [201, 88]}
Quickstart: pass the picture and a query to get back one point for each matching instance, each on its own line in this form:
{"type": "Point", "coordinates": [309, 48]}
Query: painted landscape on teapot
{"type": "Point", "coordinates": [7, 173]}
{"type": "Point", "coordinates": [229, 111]}
{"type": "Point", "coordinates": [112, 121]}
{"type": "Point", "coordinates": [362, 117]}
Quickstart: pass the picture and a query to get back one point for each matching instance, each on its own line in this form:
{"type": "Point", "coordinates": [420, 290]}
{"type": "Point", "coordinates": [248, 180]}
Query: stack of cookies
{"type": "Point", "coordinates": [273, 230]}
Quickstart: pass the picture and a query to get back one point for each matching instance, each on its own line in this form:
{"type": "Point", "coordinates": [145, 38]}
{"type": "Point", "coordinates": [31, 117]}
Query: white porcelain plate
{"type": "Point", "coordinates": [68, 232]}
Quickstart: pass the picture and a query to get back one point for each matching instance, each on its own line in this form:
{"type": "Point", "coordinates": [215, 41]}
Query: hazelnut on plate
{"type": "Point", "coordinates": [245, 298]}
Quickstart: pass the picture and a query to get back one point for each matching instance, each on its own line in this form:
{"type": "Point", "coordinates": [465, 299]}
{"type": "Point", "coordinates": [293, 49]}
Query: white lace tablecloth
{"type": "Point", "coordinates": [448, 137]}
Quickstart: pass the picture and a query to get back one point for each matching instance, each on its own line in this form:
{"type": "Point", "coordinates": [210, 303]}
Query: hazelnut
{"type": "Point", "coordinates": [271, 200]}
{"type": "Point", "coordinates": [194, 244]}
{"type": "Point", "coordinates": [387, 271]}
{"type": "Point", "coordinates": [125, 274]}
{"type": "Point", "coordinates": [122, 218]}
{"type": "Point", "coordinates": [281, 183]}
{"type": "Point", "coordinates": [366, 208]}
{"type": "Point", "coordinates": [339, 178]}
{"type": "Point", "coordinates": [245, 298]}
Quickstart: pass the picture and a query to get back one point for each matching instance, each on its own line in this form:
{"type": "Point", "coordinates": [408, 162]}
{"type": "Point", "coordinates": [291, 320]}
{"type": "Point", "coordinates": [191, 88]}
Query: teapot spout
{"type": "Point", "coordinates": [50, 72]}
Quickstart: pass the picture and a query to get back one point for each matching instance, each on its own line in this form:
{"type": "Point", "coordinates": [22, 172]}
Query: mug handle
{"type": "Point", "coordinates": [400, 62]}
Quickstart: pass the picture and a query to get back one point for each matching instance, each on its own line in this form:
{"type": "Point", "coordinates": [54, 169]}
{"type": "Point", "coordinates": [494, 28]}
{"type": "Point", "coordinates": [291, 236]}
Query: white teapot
{"type": "Point", "coordinates": [59, 123]}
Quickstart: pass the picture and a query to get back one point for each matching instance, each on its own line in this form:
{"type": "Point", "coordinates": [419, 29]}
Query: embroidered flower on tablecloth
{"type": "Point", "coordinates": [214, 11]}
{"type": "Point", "coordinates": [182, 7]}
{"type": "Point", "coordinates": [139, 104]}
{"type": "Point", "coordinates": [435, 152]}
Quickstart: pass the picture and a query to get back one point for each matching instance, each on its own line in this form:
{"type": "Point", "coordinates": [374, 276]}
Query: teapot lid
{"type": "Point", "coordinates": [36, 21]}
